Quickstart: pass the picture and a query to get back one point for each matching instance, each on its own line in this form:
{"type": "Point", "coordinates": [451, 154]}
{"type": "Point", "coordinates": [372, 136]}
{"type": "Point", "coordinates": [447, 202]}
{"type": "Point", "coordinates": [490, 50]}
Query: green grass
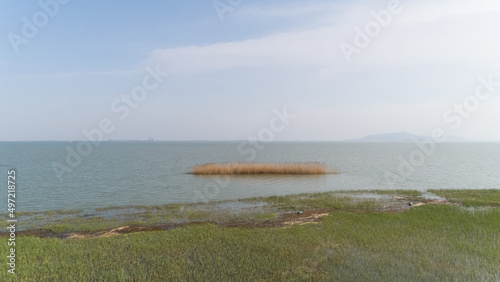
{"type": "Point", "coordinates": [152, 216]}
{"type": "Point", "coordinates": [82, 224]}
{"type": "Point", "coordinates": [471, 198]}
{"type": "Point", "coordinates": [156, 215]}
{"type": "Point", "coordinates": [326, 200]}
{"type": "Point", "coordinates": [409, 193]}
{"type": "Point", "coordinates": [427, 243]}
{"type": "Point", "coordinates": [430, 243]}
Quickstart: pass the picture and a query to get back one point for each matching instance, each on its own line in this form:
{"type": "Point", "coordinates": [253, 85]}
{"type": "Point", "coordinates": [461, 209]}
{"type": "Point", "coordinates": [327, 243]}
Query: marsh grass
{"type": "Point", "coordinates": [408, 193]}
{"type": "Point", "coordinates": [471, 198]}
{"type": "Point", "coordinates": [429, 243]}
{"type": "Point", "coordinates": [250, 210]}
{"type": "Point", "coordinates": [301, 168]}
{"type": "Point", "coordinates": [325, 200]}
{"type": "Point", "coordinates": [146, 216]}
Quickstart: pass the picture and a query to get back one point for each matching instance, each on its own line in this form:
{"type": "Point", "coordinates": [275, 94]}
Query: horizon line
{"type": "Point", "coordinates": [357, 140]}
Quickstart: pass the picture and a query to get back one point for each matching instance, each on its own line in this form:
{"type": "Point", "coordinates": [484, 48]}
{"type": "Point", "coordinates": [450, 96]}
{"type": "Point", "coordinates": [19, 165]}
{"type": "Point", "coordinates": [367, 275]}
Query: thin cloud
{"type": "Point", "coordinates": [429, 11]}
{"type": "Point", "coordinates": [441, 39]}
{"type": "Point", "coordinates": [293, 48]}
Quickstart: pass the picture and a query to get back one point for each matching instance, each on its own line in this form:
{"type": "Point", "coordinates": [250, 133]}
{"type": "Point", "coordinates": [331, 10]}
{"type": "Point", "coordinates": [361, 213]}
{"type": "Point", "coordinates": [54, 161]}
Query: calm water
{"type": "Point", "coordinates": [152, 173]}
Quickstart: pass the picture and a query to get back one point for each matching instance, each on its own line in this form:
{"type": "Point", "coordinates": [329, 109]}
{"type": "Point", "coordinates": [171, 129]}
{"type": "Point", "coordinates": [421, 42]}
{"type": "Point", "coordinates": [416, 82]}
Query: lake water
{"type": "Point", "coordinates": [154, 173]}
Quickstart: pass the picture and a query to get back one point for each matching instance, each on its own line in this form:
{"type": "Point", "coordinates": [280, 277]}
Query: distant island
{"type": "Point", "coordinates": [403, 137]}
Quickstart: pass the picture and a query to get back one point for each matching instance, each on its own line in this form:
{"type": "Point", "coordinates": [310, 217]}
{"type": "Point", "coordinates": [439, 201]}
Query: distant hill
{"type": "Point", "coordinates": [402, 137]}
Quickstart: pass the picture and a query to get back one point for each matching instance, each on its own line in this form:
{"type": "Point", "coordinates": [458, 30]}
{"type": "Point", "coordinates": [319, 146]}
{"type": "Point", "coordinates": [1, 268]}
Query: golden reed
{"type": "Point", "coordinates": [262, 168]}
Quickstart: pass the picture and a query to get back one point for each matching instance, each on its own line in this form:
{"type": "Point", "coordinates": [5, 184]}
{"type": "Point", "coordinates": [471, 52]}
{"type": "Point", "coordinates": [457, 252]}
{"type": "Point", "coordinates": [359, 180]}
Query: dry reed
{"type": "Point", "coordinates": [262, 168]}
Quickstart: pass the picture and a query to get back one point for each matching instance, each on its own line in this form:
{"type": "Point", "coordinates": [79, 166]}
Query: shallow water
{"type": "Point", "coordinates": [155, 173]}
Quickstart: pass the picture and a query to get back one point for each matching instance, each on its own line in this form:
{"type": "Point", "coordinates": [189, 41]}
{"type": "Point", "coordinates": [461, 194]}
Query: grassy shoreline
{"type": "Point", "coordinates": [360, 239]}
{"type": "Point", "coordinates": [246, 209]}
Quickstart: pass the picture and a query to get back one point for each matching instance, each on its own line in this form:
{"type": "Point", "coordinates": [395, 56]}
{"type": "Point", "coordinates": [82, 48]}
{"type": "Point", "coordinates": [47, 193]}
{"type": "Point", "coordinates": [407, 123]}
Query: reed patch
{"type": "Point", "coordinates": [300, 168]}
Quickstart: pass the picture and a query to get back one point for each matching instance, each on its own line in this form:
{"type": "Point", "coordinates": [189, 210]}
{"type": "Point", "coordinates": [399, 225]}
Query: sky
{"type": "Point", "coordinates": [291, 70]}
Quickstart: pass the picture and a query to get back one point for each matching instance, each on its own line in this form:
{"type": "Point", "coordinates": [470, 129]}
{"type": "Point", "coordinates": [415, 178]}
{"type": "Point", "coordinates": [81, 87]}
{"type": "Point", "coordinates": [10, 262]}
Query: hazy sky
{"type": "Point", "coordinates": [345, 69]}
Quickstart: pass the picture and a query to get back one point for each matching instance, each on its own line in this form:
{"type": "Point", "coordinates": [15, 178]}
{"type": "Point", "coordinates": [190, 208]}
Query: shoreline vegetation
{"type": "Point", "coordinates": [293, 168]}
{"type": "Point", "coordinates": [444, 235]}
{"type": "Point", "coordinates": [246, 212]}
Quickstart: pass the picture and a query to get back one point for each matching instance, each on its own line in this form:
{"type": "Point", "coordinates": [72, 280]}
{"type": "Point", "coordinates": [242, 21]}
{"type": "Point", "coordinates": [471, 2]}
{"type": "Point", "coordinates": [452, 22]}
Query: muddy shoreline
{"type": "Point", "coordinates": [285, 219]}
